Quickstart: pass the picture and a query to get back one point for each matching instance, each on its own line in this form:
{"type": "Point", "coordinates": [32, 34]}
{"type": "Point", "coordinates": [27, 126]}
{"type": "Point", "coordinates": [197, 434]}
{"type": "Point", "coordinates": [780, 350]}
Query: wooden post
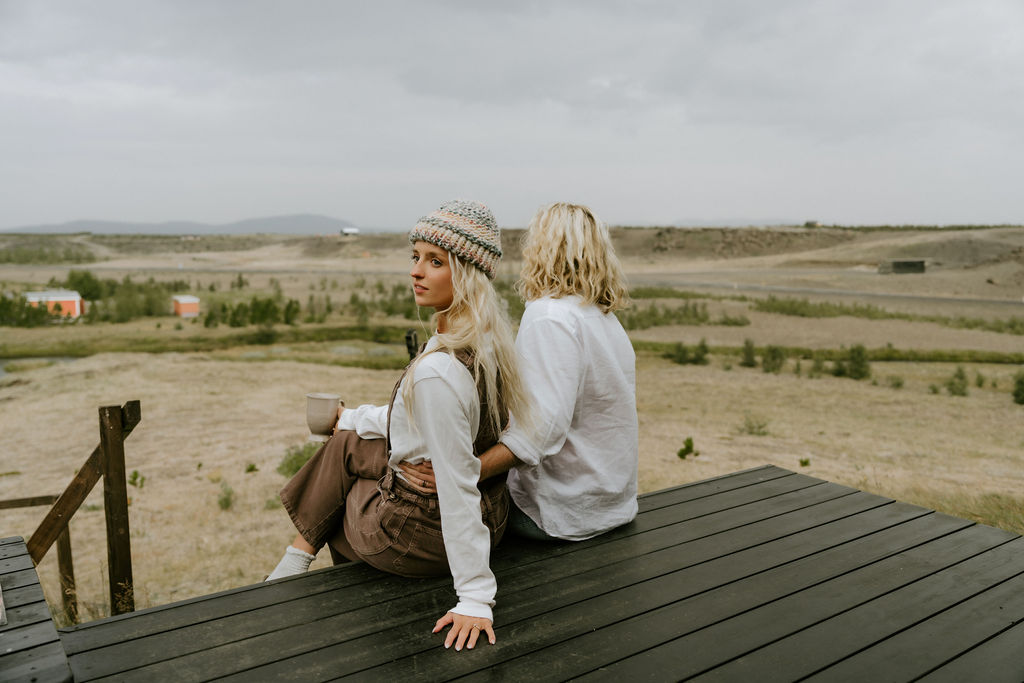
{"type": "Point", "coordinates": [115, 504]}
{"type": "Point", "coordinates": [66, 568]}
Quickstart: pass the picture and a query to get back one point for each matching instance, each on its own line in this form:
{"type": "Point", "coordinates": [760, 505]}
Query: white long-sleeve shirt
{"type": "Point", "coordinates": [580, 462]}
{"type": "Point", "coordinates": [446, 409]}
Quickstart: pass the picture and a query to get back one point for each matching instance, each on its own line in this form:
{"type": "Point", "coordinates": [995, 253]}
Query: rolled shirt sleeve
{"type": "Point", "coordinates": [368, 421]}
{"type": "Point", "coordinates": [551, 363]}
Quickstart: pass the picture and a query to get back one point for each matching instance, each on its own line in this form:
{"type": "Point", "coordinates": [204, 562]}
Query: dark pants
{"type": "Point", "coordinates": [347, 497]}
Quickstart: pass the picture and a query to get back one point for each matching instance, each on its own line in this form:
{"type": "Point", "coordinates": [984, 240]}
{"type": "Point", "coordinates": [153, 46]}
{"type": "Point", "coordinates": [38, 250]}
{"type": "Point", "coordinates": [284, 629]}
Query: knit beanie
{"type": "Point", "coordinates": [464, 228]}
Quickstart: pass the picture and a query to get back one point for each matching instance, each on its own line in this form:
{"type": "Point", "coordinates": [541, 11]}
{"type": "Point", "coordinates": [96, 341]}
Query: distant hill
{"type": "Point", "coordinates": [299, 224]}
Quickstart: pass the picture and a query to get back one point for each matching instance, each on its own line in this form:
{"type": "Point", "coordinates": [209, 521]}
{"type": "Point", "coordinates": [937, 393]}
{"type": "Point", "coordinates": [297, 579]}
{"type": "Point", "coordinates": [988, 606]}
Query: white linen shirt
{"type": "Point", "coordinates": [579, 472]}
{"type": "Point", "coordinates": [446, 409]}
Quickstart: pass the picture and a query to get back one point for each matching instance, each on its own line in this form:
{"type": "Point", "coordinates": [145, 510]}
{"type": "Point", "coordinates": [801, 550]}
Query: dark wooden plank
{"type": "Point", "coordinates": [44, 663]}
{"type": "Point", "coordinates": [9, 550]}
{"type": "Point", "coordinates": [20, 578]}
{"type": "Point", "coordinates": [32, 634]}
{"type": "Point", "coordinates": [64, 509]}
{"type": "Point", "coordinates": [193, 611]}
{"type": "Point", "coordinates": [723, 624]}
{"type": "Point", "coordinates": [709, 487]}
{"type": "Point", "coordinates": [997, 660]}
{"type": "Point", "coordinates": [66, 570]}
{"type": "Point", "coordinates": [302, 611]}
{"type": "Point", "coordinates": [16, 563]}
{"type": "Point", "coordinates": [810, 650]}
{"type": "Point", "coordinates": [31, 501]}
{"type": "Point", "coordinates": [190, 613]}
{"type": "Point", "coordinates": [76, 492]}
{"type": "Point", "coordinates": [115, 508]}
{"type": "Point", "coordinates": [916, 651]}
{"type": "Point", "coordinates": [15, 597]}
{"type": "Point", "coordinates": [22, 615]}
{"type": "Point", "coordinates": [554, 611]}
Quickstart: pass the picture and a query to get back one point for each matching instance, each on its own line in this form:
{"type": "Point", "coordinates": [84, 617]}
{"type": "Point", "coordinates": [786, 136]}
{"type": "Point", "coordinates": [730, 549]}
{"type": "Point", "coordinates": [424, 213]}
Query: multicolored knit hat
{"type": "Point", "coordinates": [464, 228]}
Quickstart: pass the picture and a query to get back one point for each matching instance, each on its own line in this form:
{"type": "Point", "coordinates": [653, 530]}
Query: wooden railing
{"type": "Point", "coordinates": [107, 461]}
{"type": "Point", "coordinates": [65, 564]}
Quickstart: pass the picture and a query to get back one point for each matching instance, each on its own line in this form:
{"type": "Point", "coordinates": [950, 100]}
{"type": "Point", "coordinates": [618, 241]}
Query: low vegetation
{"type": "Point", "coordinates": [686, 355]}
{"type": "Point", "coordinates": [295, 457]}
{"type": "Point", "coordinates": [827, 309]}
{"type": "Point", "coordinates": [687, 449]}
{"type": "Point", "coordinates": [43, 249]}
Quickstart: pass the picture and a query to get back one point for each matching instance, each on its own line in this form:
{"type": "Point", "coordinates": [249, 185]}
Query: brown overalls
{"type": "Point", "coordinates": [347, 497]}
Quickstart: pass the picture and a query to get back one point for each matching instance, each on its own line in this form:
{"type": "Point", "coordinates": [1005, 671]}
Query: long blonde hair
{"type": "Point", "coordinates": [567, 251]}
{"type": "Point", "coordinates": [476, 322]}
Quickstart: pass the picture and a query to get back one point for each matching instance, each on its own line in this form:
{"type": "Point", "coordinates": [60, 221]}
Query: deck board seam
{"type": "Point", "coordinates": [811, 586]}
{"type": "Point", "coordinates": [920, 621]}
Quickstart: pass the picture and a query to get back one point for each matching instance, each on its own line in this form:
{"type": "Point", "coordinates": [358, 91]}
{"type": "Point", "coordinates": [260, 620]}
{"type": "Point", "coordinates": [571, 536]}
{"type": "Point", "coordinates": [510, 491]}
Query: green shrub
{"type": "Point", "coordinates": [684, 355]}
{"type": "Point", "coordinates": [817, 366]}
{"type": "Point", "coordinates": [1018, 388]}
{"type": "Point", "coordinates": [774, 359]}
{"type": "Point", "coordinates": [857, 363]}
{"type": "Point", "coordinates": [227, 496]}
{"type": "Point", "coordinates": [753, 425]}
{"type": "Point", "coordinates": [17, 312]}
{"type": "Point", "coordinates": [732, 320]}
{"type": "Point", "coordinates": [251, 467]}
{"type": "Point", "coordinates": [748, 356]}
{"type": "Point", "coordinates": [295, 457]}
{"type": "Point", "coordinates": [687, 449]}
{"type": "Point", "coordinates": [239, 314]}
{"type": "Point", "coordinates": [894, 381]}
{"type": "Point", "coordinates": [957, 384]}
{"type": "Point", "coordinates": [805, 462]}
{"type": "Point", "coordinates": [689, 313]}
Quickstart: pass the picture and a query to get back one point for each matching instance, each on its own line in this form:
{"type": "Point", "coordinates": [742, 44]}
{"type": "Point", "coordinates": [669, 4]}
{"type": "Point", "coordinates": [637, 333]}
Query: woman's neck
{"type": "Point", "coordinates": [442, 323]}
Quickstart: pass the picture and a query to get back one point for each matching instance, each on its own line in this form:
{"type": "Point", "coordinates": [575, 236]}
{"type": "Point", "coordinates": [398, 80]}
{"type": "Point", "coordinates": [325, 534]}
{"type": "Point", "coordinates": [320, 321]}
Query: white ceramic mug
{"type": "Point", "coordinates": [321, 414]}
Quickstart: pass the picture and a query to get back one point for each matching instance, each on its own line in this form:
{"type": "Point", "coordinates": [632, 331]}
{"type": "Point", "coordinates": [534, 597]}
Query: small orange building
{"type": "Point", "coordinates": [68, 301]}
{"type": "Point", "coordinates": [186, 305]}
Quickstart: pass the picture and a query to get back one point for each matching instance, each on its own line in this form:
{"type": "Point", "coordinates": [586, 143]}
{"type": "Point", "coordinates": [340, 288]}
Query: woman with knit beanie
{"type": "Point", "coordinates": [573, 474]}
{"type": "Point", "coordinates": [449, 406]}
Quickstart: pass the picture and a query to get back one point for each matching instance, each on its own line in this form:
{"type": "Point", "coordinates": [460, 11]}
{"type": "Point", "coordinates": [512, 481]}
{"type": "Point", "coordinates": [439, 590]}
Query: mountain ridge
{"type": "Point", "coordinates": [288, 224]}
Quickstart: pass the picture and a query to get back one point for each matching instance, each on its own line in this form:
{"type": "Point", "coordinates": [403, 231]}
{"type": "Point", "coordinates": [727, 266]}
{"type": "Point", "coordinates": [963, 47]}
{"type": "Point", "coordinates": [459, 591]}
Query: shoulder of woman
{"type": "Point", "coordinates": [443, 365]}
{"type": "Point", "coordinates": [566, 312]}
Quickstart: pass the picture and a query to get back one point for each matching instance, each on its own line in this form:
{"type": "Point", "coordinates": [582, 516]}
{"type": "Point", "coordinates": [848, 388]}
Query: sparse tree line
{"type": "Point", "coordinates": [74, 253]}
{"type": "Point", "coordinates": [852, 363]}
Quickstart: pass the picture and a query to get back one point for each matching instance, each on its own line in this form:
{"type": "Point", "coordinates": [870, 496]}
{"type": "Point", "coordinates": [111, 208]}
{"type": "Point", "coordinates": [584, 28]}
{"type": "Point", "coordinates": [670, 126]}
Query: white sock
{"type": "Point", "coordinates": [294, 562]}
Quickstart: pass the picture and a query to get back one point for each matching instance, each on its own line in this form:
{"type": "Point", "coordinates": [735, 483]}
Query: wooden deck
{"type": "Point", "coordinates": [760, 575]}
{"type": "Point", "coordinates": [30, 648]}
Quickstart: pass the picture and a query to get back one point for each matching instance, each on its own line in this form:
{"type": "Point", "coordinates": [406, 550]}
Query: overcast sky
{"type": "Point", "coordinates": [851, 112]}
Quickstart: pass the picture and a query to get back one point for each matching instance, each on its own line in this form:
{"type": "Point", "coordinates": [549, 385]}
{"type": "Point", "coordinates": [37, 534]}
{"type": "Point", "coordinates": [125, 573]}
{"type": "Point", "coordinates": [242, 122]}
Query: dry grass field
{"type": "Point", "coordinates": [222, 420]}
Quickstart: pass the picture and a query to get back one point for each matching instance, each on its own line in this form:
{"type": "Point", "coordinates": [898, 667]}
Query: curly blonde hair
{"type": "Point", "coordinates": [568, 251]}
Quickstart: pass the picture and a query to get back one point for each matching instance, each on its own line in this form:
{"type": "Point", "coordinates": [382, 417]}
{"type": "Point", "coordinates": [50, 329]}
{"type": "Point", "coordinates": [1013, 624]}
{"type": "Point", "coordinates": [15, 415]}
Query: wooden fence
{"type": "Point", "coordinates": [106, 461]}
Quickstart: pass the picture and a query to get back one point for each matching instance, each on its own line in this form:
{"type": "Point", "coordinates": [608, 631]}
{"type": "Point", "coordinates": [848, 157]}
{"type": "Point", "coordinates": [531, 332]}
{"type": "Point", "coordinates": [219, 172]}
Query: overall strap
{"type": "Point", "coordinates": [394, 392]}
{"type": "Point", "coordinates": [487, 436]}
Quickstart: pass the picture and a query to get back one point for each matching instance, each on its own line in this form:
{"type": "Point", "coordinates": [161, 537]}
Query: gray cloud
{"type": "Point", "coordinates": [651, 111]}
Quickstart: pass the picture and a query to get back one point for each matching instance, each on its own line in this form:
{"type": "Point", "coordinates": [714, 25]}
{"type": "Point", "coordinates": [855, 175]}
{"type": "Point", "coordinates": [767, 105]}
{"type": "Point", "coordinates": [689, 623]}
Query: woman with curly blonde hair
{"type": "Point", "coordinates": [449, 406]}
{"type": "Point", "coordinates": [573, 473]}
